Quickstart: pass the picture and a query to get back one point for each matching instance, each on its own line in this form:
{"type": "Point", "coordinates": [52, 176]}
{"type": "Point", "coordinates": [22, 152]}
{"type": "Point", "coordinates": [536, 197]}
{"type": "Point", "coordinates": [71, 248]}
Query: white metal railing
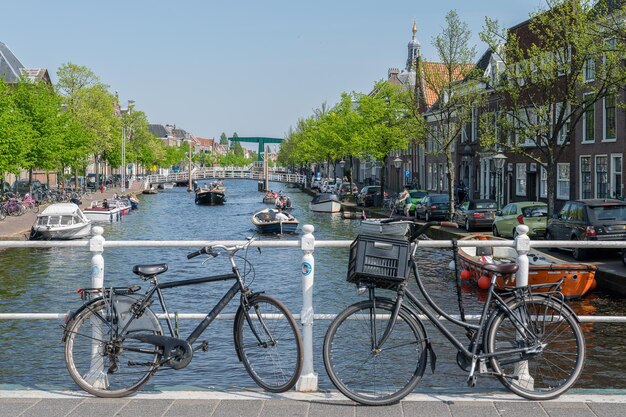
{"type": "Point", "coordinates": [308, 378]}
{"type": "Point", "coordinates": [227, 173]}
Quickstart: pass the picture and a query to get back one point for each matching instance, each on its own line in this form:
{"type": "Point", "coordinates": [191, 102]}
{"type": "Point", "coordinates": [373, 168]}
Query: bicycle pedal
{"type": "Point", "coordinates": [204, 346]}
{"type": "Point", "coordinates": [471, 381]}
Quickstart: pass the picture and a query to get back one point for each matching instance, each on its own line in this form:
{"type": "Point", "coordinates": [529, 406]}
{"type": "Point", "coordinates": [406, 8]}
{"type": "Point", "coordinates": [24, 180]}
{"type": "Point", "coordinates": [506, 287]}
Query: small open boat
{"type": "Point", "coordinates": [102, 211]}
{"type": "Point", "coordinates": [61, 221]}
{"type": "Point", "coordinates": [211, 195]}
{"type": "Point", "coordinates": [578, 278]}
{"type": "Point", "coordinates": [391, 227]}
{"type": "Point", "coordinates": [325, 203]}
{"type": "Point", "coordinates": [274, 221]}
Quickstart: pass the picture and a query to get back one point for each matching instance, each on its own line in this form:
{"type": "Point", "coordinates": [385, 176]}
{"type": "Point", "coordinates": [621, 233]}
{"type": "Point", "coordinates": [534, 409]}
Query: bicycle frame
{"type": "Point", "coordinates": [210, 317]}
{"type": "Point", "coordinates": [477, 330]}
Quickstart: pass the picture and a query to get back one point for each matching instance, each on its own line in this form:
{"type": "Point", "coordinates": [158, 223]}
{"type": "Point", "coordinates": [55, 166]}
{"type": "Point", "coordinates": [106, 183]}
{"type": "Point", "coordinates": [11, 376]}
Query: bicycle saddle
{"type": "Point", "coordinates": [503, 269]}
{"type": "Point", "coordinates": [149, 270]}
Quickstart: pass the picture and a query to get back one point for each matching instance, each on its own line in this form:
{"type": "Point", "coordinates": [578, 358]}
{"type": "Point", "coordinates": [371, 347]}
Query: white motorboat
{"type": "Point", "coordinates": [325, 203]}
{"type": "Point", "coordinates": [102, 211]}
{"type": "Point", "coordinates": [166, 186]}
{"type": "Point", "coordinates": [61, 221]}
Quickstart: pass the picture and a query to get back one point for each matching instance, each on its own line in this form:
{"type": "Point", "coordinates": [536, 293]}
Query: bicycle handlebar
{"type": "Point", "coordinates": [197, 253]}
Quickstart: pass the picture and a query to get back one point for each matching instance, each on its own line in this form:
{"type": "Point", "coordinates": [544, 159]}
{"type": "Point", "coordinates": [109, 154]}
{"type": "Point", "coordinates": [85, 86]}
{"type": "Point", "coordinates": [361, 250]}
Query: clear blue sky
{"type": "Point", "coordinates": [251, 67]}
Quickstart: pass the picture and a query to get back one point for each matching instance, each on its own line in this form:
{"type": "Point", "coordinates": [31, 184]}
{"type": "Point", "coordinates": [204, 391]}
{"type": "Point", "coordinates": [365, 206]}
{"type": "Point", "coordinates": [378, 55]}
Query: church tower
{"type": "Point", "coordinates": [414, 48]}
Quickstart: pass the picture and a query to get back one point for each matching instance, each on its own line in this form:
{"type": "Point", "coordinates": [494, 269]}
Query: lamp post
{"type": "Point", "coordinates": [128, 111]}
{"type": "Point", "coordinates": [498, 162]}
{"type": "Point", "coordinates": [397, 163]}
{"type": "Point", "coordinates": [190, 188]}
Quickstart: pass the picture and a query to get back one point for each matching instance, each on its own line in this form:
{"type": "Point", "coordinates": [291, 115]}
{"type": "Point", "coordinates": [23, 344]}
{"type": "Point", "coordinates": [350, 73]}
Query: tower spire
{"type": "Point", "coordinates": [414, 48]}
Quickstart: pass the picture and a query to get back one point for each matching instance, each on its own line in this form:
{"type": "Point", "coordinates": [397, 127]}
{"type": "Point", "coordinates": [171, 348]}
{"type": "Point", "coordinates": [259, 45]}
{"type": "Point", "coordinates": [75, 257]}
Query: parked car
{"type": "Point", "coordinates": [367, 196]}
{"type": "Point", "coordinates": [533, 214]}
{"type": "Point", "coordinates": [329, 186]}
{"type": "Point", "coordinates": [5, 187]}
{"type": "Point", "coordinates": [21, 186]}
{"type": "Point", "coordinates": [589, 220]}
{"type": "Point", "coordinates": [346, 189]}
{"type": "Point", "coordinates": [434, 206]}
{"type": "Point", "coordinates": [316, 183]}
{"type": "Point", "coordinates": [416, 197]}
{"type": "Point", "coordinates": [474, 214]}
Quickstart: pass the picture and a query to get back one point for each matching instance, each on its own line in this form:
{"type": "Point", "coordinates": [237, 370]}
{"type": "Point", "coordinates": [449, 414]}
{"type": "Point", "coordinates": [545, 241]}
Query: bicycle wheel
{"type": "Point", "coordinates": [102, 361]}
{"type": "Point", "coordinates": [368, 374]}
{"type": "Point", "coordinates": [269, 344]}
{"type": "Point", "coordinates": [555, 342]}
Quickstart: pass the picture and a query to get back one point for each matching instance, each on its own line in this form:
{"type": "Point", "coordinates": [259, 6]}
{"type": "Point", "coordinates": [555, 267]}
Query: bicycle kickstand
{"type": "Point", "coordinates": [471, 379]}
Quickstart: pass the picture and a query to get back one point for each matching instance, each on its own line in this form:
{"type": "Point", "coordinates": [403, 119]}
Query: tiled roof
{"type": "Point", "coordinates": [435, 77]}
{"type": "Point", "coordinates": [34, 74]}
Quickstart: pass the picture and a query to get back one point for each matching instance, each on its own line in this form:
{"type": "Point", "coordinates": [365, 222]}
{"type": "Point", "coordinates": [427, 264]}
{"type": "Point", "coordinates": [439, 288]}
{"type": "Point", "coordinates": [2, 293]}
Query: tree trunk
{"type": "Point", "coordinates": [451, 183]}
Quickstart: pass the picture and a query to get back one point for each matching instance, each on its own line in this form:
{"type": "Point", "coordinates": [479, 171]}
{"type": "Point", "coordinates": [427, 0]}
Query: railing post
{"type": "Point", "coordinates": [308, 378]}
{"type": "Point", "coordinates": [522, 246]}
{"type": "Point", "coordinates": [96, 374]}
{"type": "Point", "coordinates": [96, 246]}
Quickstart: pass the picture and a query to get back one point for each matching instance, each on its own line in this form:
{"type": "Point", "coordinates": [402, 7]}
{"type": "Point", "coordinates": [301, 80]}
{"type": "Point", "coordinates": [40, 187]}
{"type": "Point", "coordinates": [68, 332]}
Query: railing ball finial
{"type": "Point", "coordinates": [522, 229]}
{"type": "Point", "coordinates": [308, 228]}
{"type": "Point", "coordinates": [97, 230]}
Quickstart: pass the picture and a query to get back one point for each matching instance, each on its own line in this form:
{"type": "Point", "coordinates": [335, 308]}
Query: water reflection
{"type": "Point", "coordinates": [44, 280]}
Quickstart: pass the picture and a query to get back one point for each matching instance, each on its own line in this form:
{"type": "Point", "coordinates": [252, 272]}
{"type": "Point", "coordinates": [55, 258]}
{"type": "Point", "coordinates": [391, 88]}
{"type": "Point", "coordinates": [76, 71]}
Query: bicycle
{"type": "Point", "coordinates": [375, 351]}
{"type": "Point", "coordinates": [115, 343]}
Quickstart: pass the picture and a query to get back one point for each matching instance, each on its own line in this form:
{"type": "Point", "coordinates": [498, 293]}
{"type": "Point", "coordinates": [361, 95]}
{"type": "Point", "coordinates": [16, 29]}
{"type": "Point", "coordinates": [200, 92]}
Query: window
{"type": "Point", "coordinates": [585, 177]}
{"type": "Point", "coordinates": [543, 183]}
{"type": "Point", "coordinates": [609, 117]}
{"type": "Point", "coordinates": [562, 135]}
{"type": "Point", "coordinates": [616, 176]}
{"type": "Point", "coordinates": [589, 119]}
{"type": "Point", "coordinates": [601, 176]}
{"type": "Point", "coordinates": [562, 181]}
{"type": "Point", "coordinates": [520, 179]}
{"type": "Point", "coordinates": [589, 70]}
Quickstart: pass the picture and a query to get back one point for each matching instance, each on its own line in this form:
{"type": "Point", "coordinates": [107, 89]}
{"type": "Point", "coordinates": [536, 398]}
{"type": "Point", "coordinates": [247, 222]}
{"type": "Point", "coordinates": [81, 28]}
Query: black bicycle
{"type": "Point", "coordinates": [375, 351]}
{"type": "Point", "coordinates": [115, 343]}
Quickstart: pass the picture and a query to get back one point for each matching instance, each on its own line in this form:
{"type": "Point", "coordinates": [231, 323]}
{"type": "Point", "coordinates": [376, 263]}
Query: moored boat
{"type": "Point", "coordinates": [166, 186]}
{"type": "Point", "coordinates": [61, 221]}
{"type": "Point", "coordinates": [578, 278]}
{"type": "Point", "coordinates": [102, 211]}
{"type": "Point", "coordinates": [325, 203]}
{"type": "Point", "coordinates": [274, 221]}
{"type": "Point", "coordinates": [392, 227]}
{"type": "Point", "coordinates": [215, 194]}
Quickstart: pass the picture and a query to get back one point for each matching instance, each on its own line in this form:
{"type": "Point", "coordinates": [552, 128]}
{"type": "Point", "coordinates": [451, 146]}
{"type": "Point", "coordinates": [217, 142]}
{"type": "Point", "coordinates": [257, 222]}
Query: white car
{"type": "Point", "coordinates": [329, 186]}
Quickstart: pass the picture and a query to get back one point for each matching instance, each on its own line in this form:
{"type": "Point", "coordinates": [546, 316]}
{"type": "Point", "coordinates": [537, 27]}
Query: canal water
{"type": "Point", "coordinates": [45, 280]}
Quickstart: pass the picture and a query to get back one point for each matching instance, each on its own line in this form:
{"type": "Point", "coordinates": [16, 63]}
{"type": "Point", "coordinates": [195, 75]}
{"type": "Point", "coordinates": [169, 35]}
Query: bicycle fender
{"type": "Point", "coordinates": [72, 316]}
{"type": "Point", "coordinates": [238, 317]}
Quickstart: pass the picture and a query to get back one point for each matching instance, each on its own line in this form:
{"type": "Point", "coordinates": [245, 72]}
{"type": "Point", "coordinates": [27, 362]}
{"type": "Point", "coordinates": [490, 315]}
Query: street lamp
{"type": "Point", "coordinates": [498, 162]}
{"type": "Point", "coordinates": [190, 188]}
{"type": "Point", "coordinates": [398, 163]}
{"type": "Point", "coordinates": [128, 110]}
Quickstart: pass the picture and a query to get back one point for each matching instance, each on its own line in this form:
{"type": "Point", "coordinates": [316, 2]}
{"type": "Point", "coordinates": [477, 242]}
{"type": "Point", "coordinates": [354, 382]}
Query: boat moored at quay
{"type": "Point", "coordinates": [159, 220]}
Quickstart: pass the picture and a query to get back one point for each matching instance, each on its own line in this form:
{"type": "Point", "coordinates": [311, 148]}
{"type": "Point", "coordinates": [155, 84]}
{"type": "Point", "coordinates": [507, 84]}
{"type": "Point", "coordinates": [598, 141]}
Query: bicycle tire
{"type": "Point", "coordinates": [274, 359]}
{"type": "Point", "coordinates": [34, 208]}
{"type": "Point", "coordinates": [555, 331]}
{"type": "Point", "coordinates": [368, 377]}
{"type": "Point", "coordinates": [92, 333]}
{"type": "Point", "coordinates": [3, 214]}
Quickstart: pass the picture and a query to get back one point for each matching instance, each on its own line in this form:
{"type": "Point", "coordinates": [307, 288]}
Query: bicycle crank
{"type": "Point", "coordinates": [177, 353]}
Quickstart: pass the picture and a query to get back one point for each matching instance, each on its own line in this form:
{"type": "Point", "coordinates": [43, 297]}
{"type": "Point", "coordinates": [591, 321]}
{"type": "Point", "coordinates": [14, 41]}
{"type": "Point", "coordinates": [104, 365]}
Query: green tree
{"type": "Point", "coordinates": [569, 58]}
{"type": "Point", "coordinates": [15, 131]}
{"type": "Point", "coordinates": [223, 139]}
{"type": "Point", "coordinates": [42, 108]}
{"type": "Point", "coordinates": [92, 106]}
{"type": "Point", "coordinates": [458, 93]}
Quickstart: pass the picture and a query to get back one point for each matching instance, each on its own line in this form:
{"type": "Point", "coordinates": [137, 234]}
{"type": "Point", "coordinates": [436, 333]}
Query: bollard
{"type": "Point", "coordinates": [308, 378]}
